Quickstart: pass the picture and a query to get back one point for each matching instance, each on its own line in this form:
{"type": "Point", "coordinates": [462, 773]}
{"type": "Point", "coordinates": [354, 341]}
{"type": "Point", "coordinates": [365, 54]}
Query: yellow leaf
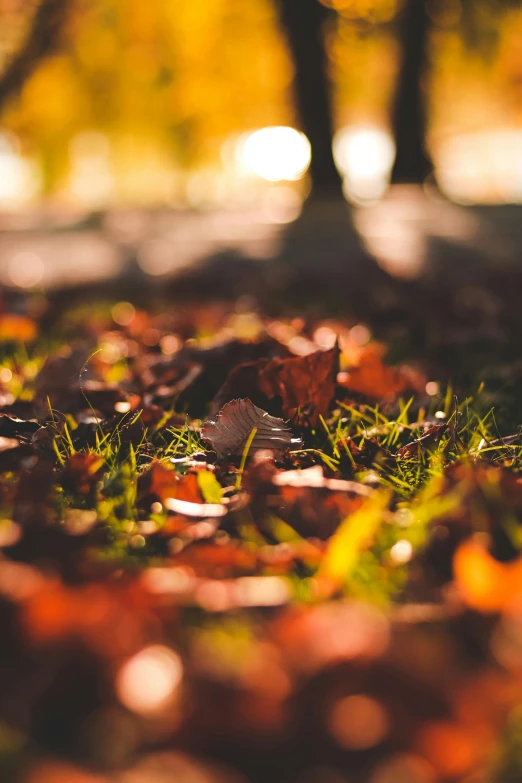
{"type": "Point", "coordinates": [354, 534]}
{"type": "Point", "coordinates": [210, 487]}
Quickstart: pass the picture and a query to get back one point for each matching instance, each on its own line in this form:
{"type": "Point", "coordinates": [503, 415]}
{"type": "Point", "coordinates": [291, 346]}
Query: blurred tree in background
{"type": "Point", "coordinates": [132, 96]}
{"type": "Point", "coordinates": [303, 21]}
{"type": "Point", "coordinates": [160, 79]}
{"type": "Point", "coordinates": [480, 24]}
{"type": "Point", "coordinates": [42, 38]}
{"type": "Point", "coordinates": [412, 162]}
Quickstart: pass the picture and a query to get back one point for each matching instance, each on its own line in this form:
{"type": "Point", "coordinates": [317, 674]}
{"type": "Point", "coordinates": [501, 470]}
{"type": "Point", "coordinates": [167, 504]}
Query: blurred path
{"type": "Point", "coordinates": [413, 234]}
{"type": "Point", "coordinates": [409, 234]}
{"type": "Point", "coordinates": [63, 252]}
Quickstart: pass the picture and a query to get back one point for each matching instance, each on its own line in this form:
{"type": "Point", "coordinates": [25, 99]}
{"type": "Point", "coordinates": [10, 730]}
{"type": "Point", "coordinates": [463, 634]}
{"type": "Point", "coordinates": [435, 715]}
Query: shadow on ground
{"type": "Point", "coordinates": [421, 271]}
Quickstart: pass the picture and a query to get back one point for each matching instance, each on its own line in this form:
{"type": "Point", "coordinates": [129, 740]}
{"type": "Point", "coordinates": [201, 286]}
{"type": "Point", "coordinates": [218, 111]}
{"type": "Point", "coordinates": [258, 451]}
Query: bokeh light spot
{"type": "Point", "coordinates": [148, 682]}
{"type": "Point", "coordinates": [401, 551]}
{"type": "Point", "coordinates": [404, 768]}
{"type": "Point", "coordinates": [358, 722]}
{"type": "Point", "coordinates": [364, 155]}
{"type": "Point", "coordinates": [432, 388]}
{"type": "Point", "coordinates": [170, 344]}
{"type": "Point", "coordinates": [123, 313]}
{"type": "Point", "coordinates": [26, 269]}
{"type": "Point", "coordinates": [276, 154]}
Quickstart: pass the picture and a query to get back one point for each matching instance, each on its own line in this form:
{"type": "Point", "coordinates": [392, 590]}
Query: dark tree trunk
{"type": "Point", "coordinates": [303, 23]}
{"type": "Point", "coordinates": [41, 41]}
{"type": "Point", "coordinates": [412, 162]}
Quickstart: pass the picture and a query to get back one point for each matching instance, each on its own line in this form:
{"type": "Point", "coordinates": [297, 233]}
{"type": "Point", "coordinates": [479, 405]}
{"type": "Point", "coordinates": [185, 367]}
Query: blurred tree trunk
{"type": "Point", "coordinates": [41, 41]}
{"type": "Point", "coordinates": [303, 22]}
{"type": "Point", "coordinates": [412, 162]}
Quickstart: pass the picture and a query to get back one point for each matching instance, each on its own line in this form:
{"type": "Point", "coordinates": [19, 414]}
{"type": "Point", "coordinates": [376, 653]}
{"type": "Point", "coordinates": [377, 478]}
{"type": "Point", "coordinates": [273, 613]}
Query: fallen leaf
{"type": "Point", "coordinates": [486, 584]}
{"type": "Point", "coordinates": [354, 534]}
{"type": "Point", "coordinates": [229, 559]}
{"type": "Point", "coordinates": [81, 472]}
{"type": "Point", "coordinates": [195, 375]}
{"type": "Point", "coordinates": [300, 387]}
{"type": "Point", "coordinates": [243, 382]}
{"type": "Point", "coordinates": [12, 427]}
{"type": "Point", "coordinates": [17, 327]}
{"type": "Point", "coordinates": [35, 495]}
{"type": "Point", "coordinates": [432, 435]}
{"type": "Point", "coordinates": [210, 487]}
{"type": "Point", "coordinates": [305, 384]}
{"type": "Point", "coordinates": [164, 482]}
{"type": "Point", "coordinates": [373, 378]}
{"type": "Point", "coordinates": [230, 432]}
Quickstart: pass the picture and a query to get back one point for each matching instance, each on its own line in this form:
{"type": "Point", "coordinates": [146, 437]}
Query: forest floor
{"type": "Point", "coordinates": [263, 524]}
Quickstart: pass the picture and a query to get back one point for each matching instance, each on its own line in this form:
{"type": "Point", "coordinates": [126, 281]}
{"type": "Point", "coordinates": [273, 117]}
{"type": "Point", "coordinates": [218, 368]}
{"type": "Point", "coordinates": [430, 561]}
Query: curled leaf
{"type": "Point", "coordinates": [233, 426]}
{"type": "Point", "coordinates": [12, 427]}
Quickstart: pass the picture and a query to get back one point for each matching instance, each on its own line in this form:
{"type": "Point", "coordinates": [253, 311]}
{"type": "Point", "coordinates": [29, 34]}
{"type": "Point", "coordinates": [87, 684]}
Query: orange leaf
{"type": "Point", "coordinates": [166, 483]}
{"type": "Point", "coordinates": [486, 584]}
{"type": "Point", "coordinates": [376, 379]}
{"type": "Point", "coordinates": [17, 327]}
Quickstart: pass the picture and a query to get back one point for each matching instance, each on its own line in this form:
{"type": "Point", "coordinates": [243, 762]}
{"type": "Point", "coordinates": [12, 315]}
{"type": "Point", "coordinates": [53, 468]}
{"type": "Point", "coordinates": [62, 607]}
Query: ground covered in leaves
{"type": "Point", "coordinates": [243, 549]}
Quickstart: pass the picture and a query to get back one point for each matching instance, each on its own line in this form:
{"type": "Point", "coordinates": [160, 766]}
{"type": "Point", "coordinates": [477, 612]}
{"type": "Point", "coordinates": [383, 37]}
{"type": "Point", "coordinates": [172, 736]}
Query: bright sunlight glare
{"type": "Point", "coordinates": [483, 166]}
{"type": "Point", "coordinates": [18, 183]}
{"type": "Point", "coordinates": [275, 154]}
{"type": "Point", "coordinates": [364, 155]}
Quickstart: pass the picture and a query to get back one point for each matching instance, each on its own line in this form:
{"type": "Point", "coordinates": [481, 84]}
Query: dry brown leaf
{"type": "Point", "coordinates": [81, 472]}
{"type": "Point", "coordinates": [230, 432]}
{"type": "Point", "coordinates": [305, 384]}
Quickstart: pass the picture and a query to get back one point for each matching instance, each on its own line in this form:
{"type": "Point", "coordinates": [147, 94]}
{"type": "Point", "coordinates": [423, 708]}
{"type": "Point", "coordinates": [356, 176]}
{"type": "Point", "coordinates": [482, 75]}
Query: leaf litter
{"type": "Point", "coordinates": [314, 554]}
